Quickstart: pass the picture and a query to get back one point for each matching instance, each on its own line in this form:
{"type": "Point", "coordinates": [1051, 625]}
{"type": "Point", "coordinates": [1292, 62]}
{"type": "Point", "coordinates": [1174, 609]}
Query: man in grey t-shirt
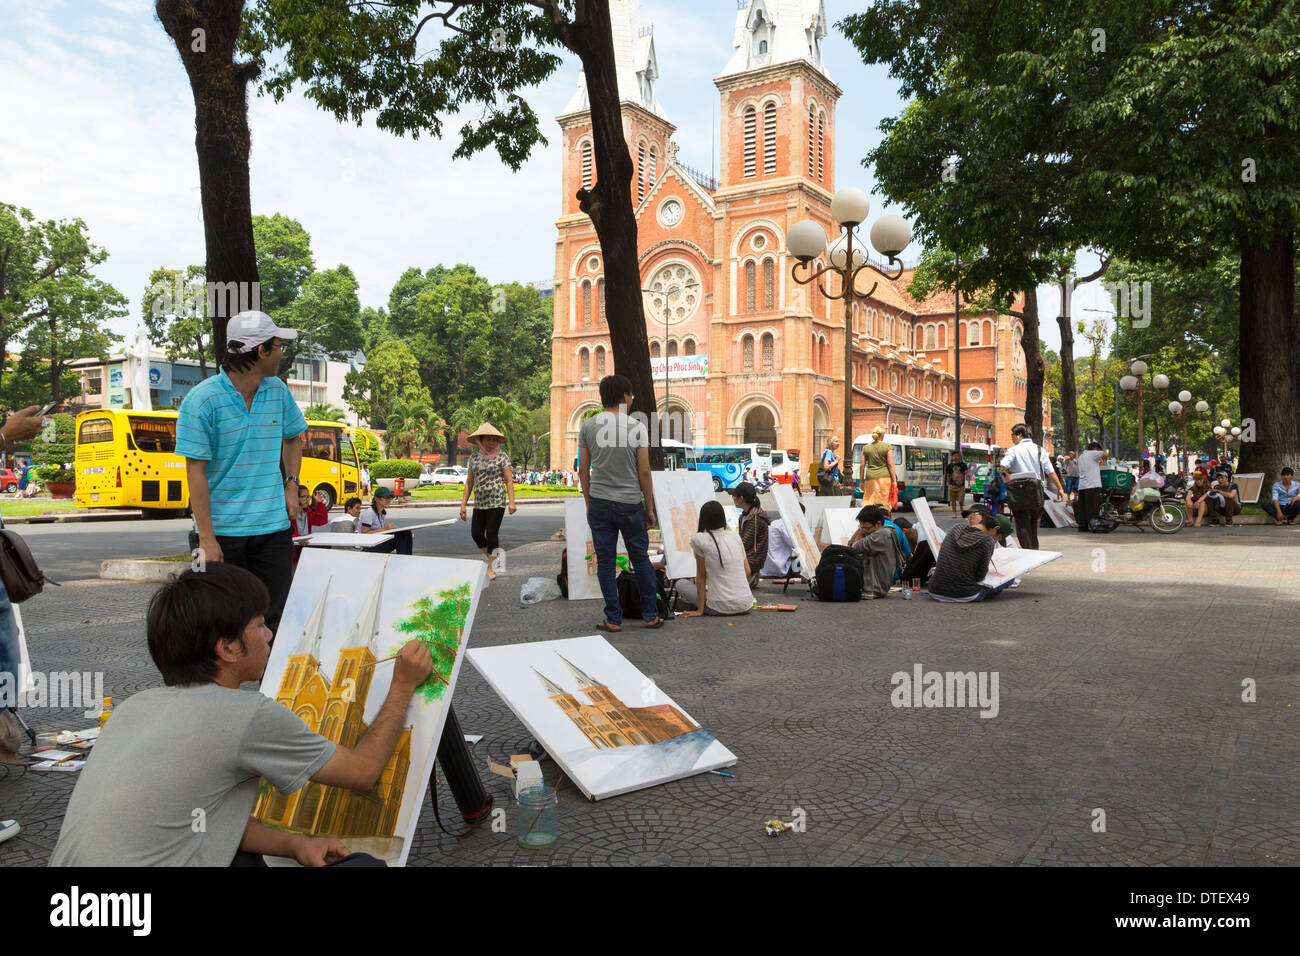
{"type": "Point", "coordinates": [174, 775]}
{"type": "Point", "coordinates": [614, 470]}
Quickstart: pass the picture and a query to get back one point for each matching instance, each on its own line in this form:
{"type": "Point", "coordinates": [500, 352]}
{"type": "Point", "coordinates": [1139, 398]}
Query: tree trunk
{"type": "Point", "coordinates": [1069, 394]}
{"type": "Point", "coordinates": [609, 204]}
{"type": "Point", "coordinates": [1034, 371]}
{"type": "Point", "coordinates": [1270, 377]}
{"type": "Point", "coordinates": [204, 32]}
{"type": "Point", "coordinates": [203, 359]}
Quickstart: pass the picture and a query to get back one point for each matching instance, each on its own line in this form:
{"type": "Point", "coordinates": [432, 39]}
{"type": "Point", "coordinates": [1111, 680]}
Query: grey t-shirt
{"type": "Point", "coordinates": [170, 751]}
{"type": "Point", "coordinates": [612, 441]}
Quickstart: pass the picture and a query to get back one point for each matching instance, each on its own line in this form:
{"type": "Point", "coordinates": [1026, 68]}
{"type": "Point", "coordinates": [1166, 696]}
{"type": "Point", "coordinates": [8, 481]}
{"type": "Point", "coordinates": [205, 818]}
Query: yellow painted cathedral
{"type": "Point", "coordinates": [333, 708]}
{"type": "Point", "coordinates": [608, 722]}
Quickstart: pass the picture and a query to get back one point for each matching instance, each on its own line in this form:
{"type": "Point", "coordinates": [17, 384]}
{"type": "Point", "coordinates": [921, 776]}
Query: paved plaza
{"type": "Point", "coordinates": [1120, 689]}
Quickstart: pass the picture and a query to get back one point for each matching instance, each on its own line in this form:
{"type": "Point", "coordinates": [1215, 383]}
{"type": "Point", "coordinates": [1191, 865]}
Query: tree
{"type": "Point", "coordinates": [374, 327]}
{"type": "Point", "coordinates": [439, 627]}
{"type": "Point", "coordinates": [411, 423]}
{"type": "Point", "coordinates": [174, 310]}
{"type": "Point", "coordinates": [327, 316]}
{"type": "Point", "coordinates": [324, 412]}
{"type": "Point", "coordinates": [390, 373]}
{"type": "Point", "coordinates": [355, 59]}
{"type": "Point", "coordinates": [519, 366]}
{"type": "Point", "coordinates": [284, 261]}
{"type": "Point", "coordinates": [510, 419]}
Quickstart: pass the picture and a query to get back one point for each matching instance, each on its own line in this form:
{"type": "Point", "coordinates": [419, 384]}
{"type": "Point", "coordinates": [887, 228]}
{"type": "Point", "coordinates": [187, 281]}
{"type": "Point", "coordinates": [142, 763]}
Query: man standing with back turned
{"type": "Point", "coordinates": [614, 470]}
{"type": "Point", "coordinates": [234, 431]}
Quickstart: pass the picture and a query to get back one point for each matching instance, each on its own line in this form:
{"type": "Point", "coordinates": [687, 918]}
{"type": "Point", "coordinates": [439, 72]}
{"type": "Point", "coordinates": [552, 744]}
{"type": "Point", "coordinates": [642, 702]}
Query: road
{"type": "Point", "coordinates": [73, 551]}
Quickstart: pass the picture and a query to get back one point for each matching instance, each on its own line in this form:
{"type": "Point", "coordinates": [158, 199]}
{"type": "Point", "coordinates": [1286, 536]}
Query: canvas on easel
{"type": "Point", "coordinates": [679, 496]}
{"type": "Point", "coordinates": [816, 505]}
{"type": "Point", "coordinates": [348, 614]}
{"type": "Point", "coordinates": [583, 583]}
{"type": "Point", "coordinates": [797, 527]}
{"type": "Point", "coordinates": [838, 525]}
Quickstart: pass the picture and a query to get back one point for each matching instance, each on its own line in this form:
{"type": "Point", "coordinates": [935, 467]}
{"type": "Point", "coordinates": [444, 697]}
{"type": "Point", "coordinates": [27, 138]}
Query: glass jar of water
{"type": "Point", "coordinates": [539, 817]}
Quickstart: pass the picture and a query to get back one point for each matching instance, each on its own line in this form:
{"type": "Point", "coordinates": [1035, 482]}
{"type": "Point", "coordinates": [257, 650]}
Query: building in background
{"type": "Point", "coordinates": [751, 355]}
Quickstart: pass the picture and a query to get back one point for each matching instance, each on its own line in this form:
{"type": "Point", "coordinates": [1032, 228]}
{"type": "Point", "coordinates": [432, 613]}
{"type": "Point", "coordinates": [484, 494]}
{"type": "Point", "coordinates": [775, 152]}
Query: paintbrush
{"type": "Point", "coordinates": [395, 657]}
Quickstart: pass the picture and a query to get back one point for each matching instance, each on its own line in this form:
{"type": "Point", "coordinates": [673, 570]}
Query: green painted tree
{"type": "Point", "coordinates": [439, 627]}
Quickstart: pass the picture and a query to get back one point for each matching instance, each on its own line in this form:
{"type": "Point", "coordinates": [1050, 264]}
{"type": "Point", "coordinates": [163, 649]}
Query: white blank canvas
{"type": "Point", "coordinates": [679, 496]}
{"type": "Point", "coordinates": [583, 584]}
{"type": "Point", "coordinates": [797, 527]}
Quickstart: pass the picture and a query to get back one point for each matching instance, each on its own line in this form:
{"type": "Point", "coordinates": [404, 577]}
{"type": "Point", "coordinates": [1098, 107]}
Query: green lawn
{"type": "Point", "coordinates": [36, 506]}
{"type": "Point", "coordinates": [454, 492]}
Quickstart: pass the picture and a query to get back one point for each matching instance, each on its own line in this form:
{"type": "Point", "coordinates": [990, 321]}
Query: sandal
{"type": "Point", "coordinates": [657, 622]}
{"type": "Point", "coordinates": [606, 626]}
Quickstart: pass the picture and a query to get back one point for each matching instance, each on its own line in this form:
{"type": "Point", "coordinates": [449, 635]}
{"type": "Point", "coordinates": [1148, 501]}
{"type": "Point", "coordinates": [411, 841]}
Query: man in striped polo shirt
{"type": "Point", "coordinates": [234, 431]}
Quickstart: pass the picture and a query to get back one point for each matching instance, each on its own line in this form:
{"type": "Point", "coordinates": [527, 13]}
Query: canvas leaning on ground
{"type": "Point", "coordinates": [347, 616]}
{"type": "Point", "coordinates": [608, 727]}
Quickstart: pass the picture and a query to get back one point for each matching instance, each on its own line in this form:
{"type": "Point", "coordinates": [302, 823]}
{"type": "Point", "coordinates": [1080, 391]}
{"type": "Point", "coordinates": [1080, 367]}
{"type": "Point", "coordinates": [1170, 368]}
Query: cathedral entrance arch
{"type": "Point", "coordinates": [760, 426]}
{"type": "Point", "coordinates": [677, 420]}
{"type": "Point", "coordinates": [742, 422]}
{"type": "Point", "coordinates": [616, 741]}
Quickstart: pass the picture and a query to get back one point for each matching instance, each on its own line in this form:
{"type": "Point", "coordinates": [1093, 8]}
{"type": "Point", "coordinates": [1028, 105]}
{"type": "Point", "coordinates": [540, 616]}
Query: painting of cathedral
{"type": "Point", "coordinates": [608, 727]}
{"type": "Point", "coordinates": [679, 496]}
{"type": "Point", "coordinates": [347, 615]}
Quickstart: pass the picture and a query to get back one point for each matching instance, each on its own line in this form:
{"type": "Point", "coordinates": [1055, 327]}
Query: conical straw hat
{"type": "Point", "coordinates": [485, 431]}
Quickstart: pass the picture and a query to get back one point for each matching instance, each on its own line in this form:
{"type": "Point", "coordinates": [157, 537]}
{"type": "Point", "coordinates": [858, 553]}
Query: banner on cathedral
{"type": "Point", "coordinates": [679, 366]}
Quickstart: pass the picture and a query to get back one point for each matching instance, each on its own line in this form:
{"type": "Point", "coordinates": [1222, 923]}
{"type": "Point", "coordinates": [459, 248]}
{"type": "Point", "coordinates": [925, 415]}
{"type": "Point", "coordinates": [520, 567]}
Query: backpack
{"type": "Point", "coordinates": [839, 575]}
{"type": "Point", "coordinates": [22, 578]}
{"type": "Point", "coordinates": [562, 579]}
{"type": "Point", "coordinates": [629, 595]}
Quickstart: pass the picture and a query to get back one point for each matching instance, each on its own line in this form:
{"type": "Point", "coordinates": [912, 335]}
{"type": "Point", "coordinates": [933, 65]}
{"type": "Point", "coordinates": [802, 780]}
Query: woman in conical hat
{"type": "Point", "coordinates": [493, 485]}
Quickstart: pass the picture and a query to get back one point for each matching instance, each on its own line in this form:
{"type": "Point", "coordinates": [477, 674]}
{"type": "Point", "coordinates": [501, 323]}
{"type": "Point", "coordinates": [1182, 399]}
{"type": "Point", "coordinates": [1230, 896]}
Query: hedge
{"type": "Point", "coordinates": [395, 468]}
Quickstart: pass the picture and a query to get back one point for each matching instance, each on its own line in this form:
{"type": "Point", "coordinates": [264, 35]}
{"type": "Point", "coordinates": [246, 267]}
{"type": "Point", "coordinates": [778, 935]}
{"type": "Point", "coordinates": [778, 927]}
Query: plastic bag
{"type": "Point", "coordinates": [536, 590]}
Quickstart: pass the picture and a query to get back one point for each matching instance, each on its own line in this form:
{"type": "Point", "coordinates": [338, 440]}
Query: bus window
{"type": "Point", "coordinates": [95, 430]}
{"type": "Point", "coordinates": [898, 454]}
{"type": "Point", "coordinates": [924, 459]}
{"type": "Point", "coordinates": [153, 434]}
{"type": "Point", "coordinates": [349, 453]}
{"type": "Point", "coordinates": [322, 443]}
{"type": "Point", "coordinates": [778, 459]}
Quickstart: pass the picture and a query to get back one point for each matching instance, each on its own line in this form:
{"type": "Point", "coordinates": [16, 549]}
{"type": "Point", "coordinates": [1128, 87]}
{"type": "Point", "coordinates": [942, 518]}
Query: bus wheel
{"type": "Point", "coordinates": [329, 495]}
{"type": "Point", "coordinates": [717, 483]}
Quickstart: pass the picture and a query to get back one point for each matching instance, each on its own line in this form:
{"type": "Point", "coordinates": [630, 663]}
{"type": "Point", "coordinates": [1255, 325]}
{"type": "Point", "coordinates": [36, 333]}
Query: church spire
{"type": "Point", "coordinates": [635, 62]}
{"type": "Point", "coordinates": [582, 678]}
{"type": "Point", "coordinates": [309, 639]}
{"type": "Point", "coordinates": [365, 630]}
{"type": "Point", "coordinates": [552, 689]}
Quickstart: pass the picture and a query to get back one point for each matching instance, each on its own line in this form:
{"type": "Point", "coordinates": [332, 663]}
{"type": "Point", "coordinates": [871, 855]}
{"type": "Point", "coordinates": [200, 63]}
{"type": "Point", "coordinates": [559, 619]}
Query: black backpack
{"type": "Point", "coordinates": [562, 579]}
{"type": "Point", "coordinates": [629, 595]}
{"type": "Point", "coordinates": [839, 575]}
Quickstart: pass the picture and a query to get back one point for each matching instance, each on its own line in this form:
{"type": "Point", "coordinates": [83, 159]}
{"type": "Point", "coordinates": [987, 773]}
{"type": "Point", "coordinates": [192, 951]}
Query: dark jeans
{"type": "Point", "coordinates": [400, 543]}
{"type": "Point", "coordinates": [1027, 527]}
{"type": "Point", "coordinates": [1087, 506]}
{"type": "Point", "coordinates": [484, 527]}
{"type": "Point", "coordinates": [1291, 511]}
{"type": "Point", "coordinates": [919, 565]}
{"type": "Point", "coordinates": [244, 858]}
{"type": "Point", "coordinates": [607, 520]}
{"type": "Point", "coordinates": [270, 558]}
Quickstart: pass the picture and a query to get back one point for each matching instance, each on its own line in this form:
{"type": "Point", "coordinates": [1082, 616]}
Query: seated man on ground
{"type": "Point", "coordinates": [780, 549]}
{"type": "Point", "coordinates": [1285, 504]}
{"type": "Point", "coordinates": [721, 585]}
{"type": "Point", "coordinates": [197, 748]}
{"type": "Point", "coordinates": [374, 520]}
{"type": "Point", "coordinates": [1225, 498]}
{"type": "Point", "coordinates": [878, 551]}
{"type": "Point", "coordinates": [963, 562]}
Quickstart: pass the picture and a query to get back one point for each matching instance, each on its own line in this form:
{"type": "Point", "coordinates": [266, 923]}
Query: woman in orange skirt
{"type": "Point", "coordinates": [877, 470]}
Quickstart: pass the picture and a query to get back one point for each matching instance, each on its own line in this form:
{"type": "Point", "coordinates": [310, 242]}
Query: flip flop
{"type": "Point", "coordinates": [657, 622]}
{"type": "Point", "coordinates": [606, 626]}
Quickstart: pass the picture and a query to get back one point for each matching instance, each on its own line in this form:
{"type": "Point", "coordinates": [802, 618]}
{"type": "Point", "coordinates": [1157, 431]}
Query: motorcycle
{"type": "Point", "coordinates": [1145, 506]}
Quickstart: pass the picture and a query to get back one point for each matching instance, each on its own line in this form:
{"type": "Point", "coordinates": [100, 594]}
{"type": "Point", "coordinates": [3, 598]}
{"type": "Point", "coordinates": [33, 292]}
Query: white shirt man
{"type": "Point", "coordinates": [1027, 460]}
{"type": "Point", "coordinates": [779, 549]}
{"type": "Point", "coordinates": [1090, 469]}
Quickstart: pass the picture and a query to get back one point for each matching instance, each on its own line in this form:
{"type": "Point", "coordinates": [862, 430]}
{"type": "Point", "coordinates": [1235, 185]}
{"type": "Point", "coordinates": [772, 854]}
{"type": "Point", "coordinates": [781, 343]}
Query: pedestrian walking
{"type": "Point", "coordinates": [493, 486]}
{"type": "Point", "coordinates": [1087, 503]}
{"type": "Point", "coordinates": [1028, 468]}
{"type": "Point", "coordinates": [879, 480]}
{"type": "Point", "coordinates": [235, 431]}
{"type": "Point", "coordinates": [957, 473]}
{"type": "Point", "coordinates": [614, 471]}
{"type": "Point", "coordinates": [828, 470]}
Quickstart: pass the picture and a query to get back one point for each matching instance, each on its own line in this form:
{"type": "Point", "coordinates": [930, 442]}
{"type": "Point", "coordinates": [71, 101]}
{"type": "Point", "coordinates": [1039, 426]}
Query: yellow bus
{"type": "Point", "coordinates": [127, 459]}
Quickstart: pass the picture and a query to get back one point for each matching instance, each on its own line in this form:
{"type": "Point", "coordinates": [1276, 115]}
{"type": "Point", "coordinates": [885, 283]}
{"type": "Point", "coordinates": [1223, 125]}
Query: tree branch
{"type": "Point", "coordinates": [1105, 264]}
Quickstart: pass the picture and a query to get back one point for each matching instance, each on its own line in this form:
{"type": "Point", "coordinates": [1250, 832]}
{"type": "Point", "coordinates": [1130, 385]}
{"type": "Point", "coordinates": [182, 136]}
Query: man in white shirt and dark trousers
{"type": "Point", "coordinates": [1088, 503]}
{"type": "Point", "coordinates": [1027, 460]}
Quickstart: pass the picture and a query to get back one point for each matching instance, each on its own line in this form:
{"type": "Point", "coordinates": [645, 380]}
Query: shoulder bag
{"type": "Point", "coordinates": [1026, 494]}
{"type": "Point", "coordinates": [22, 578]}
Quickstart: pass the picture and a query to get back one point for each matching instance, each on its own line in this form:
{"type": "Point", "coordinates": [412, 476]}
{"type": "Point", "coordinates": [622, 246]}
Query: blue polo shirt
{"type": "Point", "coordinates": [242, 448]}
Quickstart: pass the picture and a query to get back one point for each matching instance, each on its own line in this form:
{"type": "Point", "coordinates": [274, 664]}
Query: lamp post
{"type": "Point", "coordinates": [1181, 414]}
{"type": "Point", "coordinates": [807, 239]}
{"type": "Point", "coordinates": [1132, 383]}
{"type": "Point", "coordinates": [671, 294]}
{"type": "Point", "coordinates": [1225, 432]}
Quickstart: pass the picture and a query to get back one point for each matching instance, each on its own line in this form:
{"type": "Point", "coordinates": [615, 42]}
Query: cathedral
{"type": "Point", "coordinates": [608, 722]}
{"type": "Point", "coordinates": [749, 354]}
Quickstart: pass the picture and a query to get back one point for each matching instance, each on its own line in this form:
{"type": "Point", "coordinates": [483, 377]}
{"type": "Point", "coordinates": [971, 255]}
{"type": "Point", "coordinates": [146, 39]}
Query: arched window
{"type": "Point", "coordinates": [769, 351]}
{"type": "Point", "coordinates": [654, 349]}
{"type": "Point", "coordinates": [769, 137]}
{"type": "Point", "coordinates": [762, 47]}
{"type": "Point", "coordinates": [600, 361]}
{"type": "Point", "coordinates": [586, 305]}
{"type": "Point", "coordinates": [749, 286]}
{"type": "Point", "coordinates": [747, 353]}
{"type": "Point", "coordinates": [769, 283]}
{"type": "Point", "coordinates": [654, 162]}
{"type": "Point", "coordinates": [893, 381]}
{"type": "Point", "coordinates": [672, 348]}
{"type": "Point", "coordinates": [600, 301]}
{"type": "Point", "coordinates": [931, 337]}
{"type": "Point", "coordinates": [929, 389]}
{"type": "Point", "coordinates": [751, 121]}
{"type": "Point", "coordinates": [640, 171]}
{"type": "Point", "coordinates": [945, 393]}
{"type": "Point", "coordinates": [821, 147]}
{"type": "Point", "coordinates": [943, 336]}
{"type": "Point", "coordinates": [812, 142]}
{"type": "Point", "coordinates": [916, 431]}
{"type": "Point", "coordinates": [875, 377]}
{"type": "Point", "coordinates": [911, 385]}
{"type": "Point", "coordinates": [584, 364]}
{"type": "Point", "coordinates": [988, 333]}
{"type": "Point", "coordinates": [813, 357]}
{"type": "Point", "coordinates": [586, 165]}
{"type": "Point", "coordinates": [973, 333]}
{"type": "Point", "coordinates": [689, 348]}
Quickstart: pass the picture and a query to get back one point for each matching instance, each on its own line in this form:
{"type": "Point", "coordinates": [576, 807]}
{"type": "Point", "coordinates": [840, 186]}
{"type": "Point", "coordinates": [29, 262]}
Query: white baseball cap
{"type": "Point", "coordinates": [250, 329]}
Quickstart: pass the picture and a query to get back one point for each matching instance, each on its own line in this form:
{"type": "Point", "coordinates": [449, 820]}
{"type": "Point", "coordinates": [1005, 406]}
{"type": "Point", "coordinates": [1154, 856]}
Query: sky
{"type": "Point", "coordinates": [99, 124]}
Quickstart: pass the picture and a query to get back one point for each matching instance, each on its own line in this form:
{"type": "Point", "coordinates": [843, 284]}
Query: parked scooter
{"type": "Point", "coordinates": [1144, 507]}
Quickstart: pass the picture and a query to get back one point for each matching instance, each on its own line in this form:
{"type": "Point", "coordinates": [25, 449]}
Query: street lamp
{"type": "Point", "coordinates": [806, 240]}
{"type": "Point", "coordinates": [670, 294]}
{"type": "Point", "coordinates": [1132, 383]}
{"type": "Point", "coordinates": [1225, 431]}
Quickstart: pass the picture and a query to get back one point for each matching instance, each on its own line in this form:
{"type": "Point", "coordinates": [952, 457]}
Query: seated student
{"type": "Point", "coordinates": [198, 747]}
{"type": "Point", "coordinates": [312, 515]}
{"type": "Point", "coordinates": [352, 508]}
{"type": "Point", "coordinates": [905, 535]}
{"type": "Point", "coordinates": [963, 562]}
{"type": "Point", "coordinates": [1285, 504]}
{"type": "Point", "coordinates": [755, 526]}
{"type": "Point", "coordinates": [721, 585]}
{"type": "Point", "coordinates": [878, 551]}
{"type": "Point", "coordinates": [373, 521]}
{"type": "Point", "coordinates": [780, 549]}
{"type": "Point", "coordinates": [1224, 498]}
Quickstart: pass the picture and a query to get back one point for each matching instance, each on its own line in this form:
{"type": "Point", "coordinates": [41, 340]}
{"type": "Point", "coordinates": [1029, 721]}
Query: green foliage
{"type": "Point", "coordinates": [284, 260]}
{"type": "Point", "coordinates": [62, 449]}
{"type": "Point", "coordinates": [439, 627]}
{"type": "Point", "coordinates": [519, 360]}
{"type": "Point", "coordinates": [390, 375]}
{"type": "Point", "coordinates": [324, 412]}
{"type": "Point", "coordinates": [395, 468]}
{"type": "Point", "coordinates": [174, 308]}
{"type": "Point", "coordinates": [367, 446]}
{"type": "Point", "coordinates": [327, 314]}
{"type": "Point", "coordinates": [412, 426]}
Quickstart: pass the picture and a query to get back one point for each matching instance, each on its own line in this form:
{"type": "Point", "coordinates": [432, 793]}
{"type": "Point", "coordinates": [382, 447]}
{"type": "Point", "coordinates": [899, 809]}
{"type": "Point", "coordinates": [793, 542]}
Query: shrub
{"type": "Point", "coordinates": [366, 444]}
{"type": "Point", "coordinates": [50, 473]}
{"type": "Point", "coordinates": [62, 450]}
{"type": "Point", "coordinates": [395, 468]}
